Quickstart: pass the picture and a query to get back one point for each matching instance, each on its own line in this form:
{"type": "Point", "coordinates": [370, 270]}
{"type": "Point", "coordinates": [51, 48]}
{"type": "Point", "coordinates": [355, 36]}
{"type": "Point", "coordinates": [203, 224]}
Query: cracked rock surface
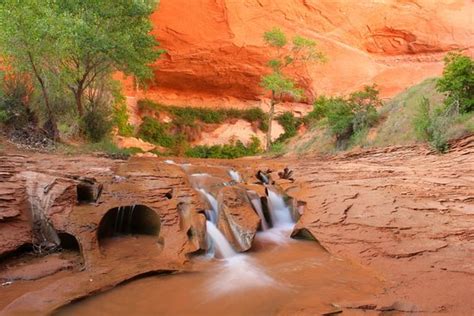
{"type": "Point", "coordinates": [404, 211]}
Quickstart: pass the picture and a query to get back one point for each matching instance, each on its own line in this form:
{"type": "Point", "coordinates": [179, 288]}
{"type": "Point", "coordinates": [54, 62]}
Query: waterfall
{"type": "Point", "coordinates": [280, 212]}
{"type": "Point", "coordinates": [130, 218]}
{"type": "Point", "coordinates": [216, 240]}
{"type": "Point", "coordinates": [219, 241]}
{"type": "Point", "coordinates": [257, 205]}
{"type": "Point", "coordinates": [214, 205]}
{"type": "Point", "coordinates": [117, 220]}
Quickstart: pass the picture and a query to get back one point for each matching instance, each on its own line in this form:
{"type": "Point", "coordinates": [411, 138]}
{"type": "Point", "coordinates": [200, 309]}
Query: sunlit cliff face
{"type": "Point", "coordinates": [215, 47]}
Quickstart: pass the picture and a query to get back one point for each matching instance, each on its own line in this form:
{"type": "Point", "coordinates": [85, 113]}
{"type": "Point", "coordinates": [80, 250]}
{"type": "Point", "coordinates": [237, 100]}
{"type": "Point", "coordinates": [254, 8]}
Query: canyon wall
{"type": "Point", "coordinates": [216, 55]}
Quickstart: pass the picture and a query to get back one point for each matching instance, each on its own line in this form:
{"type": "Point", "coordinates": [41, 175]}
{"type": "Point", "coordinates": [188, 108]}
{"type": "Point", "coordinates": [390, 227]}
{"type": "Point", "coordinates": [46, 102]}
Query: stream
{"type": "Point", "coordinates": [278, 275]}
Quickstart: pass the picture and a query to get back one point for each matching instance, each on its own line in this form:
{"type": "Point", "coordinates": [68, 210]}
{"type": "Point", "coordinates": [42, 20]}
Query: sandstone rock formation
{"type": "Point", "coordinates": [237, 219]}
{"type": "Point", "coordinates": [215, 53]}
{"type": "Point", "coordinates": [78, 204]}
{"type": "Point", "coordinates": [404, 211]}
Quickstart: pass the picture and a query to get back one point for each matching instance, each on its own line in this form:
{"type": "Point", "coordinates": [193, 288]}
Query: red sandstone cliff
{"type": "Point", "coordinates": [216, 54]}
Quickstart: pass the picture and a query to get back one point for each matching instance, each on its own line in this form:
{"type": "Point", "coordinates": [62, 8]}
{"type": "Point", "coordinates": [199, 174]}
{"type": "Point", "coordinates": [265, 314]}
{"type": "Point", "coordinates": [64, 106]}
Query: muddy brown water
{"type": "Point", "coordinates": [279, 276]}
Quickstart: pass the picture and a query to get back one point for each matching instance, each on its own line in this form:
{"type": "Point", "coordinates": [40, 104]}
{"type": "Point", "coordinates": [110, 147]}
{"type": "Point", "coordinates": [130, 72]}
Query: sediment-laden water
{"type": "Point", "coordinates": [279, 276]}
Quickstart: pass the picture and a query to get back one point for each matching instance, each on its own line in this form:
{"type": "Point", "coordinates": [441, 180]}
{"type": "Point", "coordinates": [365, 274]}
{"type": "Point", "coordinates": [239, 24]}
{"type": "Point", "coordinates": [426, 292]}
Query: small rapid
{"type": "Point", "coordinates": [279, 210]}
{"type": "Point", "coordinates": [220, 242]}
{"type": "Point", "coordinates": [279, 275]}
{"type": "Point", "coordinates": [237, 272]}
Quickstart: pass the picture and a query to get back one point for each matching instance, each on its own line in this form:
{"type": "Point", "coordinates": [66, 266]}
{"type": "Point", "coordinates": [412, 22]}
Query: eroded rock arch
{"type": "Point", "coordinates": [129, 220]}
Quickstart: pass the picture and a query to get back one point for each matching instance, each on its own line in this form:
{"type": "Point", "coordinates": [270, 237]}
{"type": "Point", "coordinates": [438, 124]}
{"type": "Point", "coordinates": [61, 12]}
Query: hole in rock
{"type": "Point", "coordinates": [129, 220]}
{"type": "Point", "coordinates": [169, 195]}
{"type": "Point", "coordinates": [86, 193]}
{"type": "Point", "coordinates": [68, 242]}
{"type": "Point", "coordinates": [25, 249]}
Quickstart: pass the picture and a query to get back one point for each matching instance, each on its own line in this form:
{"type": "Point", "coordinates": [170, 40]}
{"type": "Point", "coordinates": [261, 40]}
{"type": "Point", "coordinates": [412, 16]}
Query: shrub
{"type": "Point", "coordinates": [189, 116]}
{"type": "Point", "coordinates": [368, 96]}
{"type": "Point", "coordinates": [3, 116]}
{"type": "Point", "coordinates": [277, 148]}
{"type": "Point", "coordinates": [349, 115]}
{"type": "Point", "coordinates": [180, 145]}
{"type": "Point", "coordinates": [254, 115]}
{"type": "Point", "coordinates": [255, 145]}
{"type": "Point", "coordinates": [422, 120]}
{"type": "Point", "coordinates": [340, 118]}
{"type": "Point", "coordinates": [14, 107]}
{"type": "Point", "coordinates": [320, 108]}
{"type": "Point", "coordinates": [364, 117]}
{"type": "Point", "coordinates": [155, 132]}
{"type": "Point", "coordinates": [432, 126]}
{"type": "Point", "coordinates": [457, 82]}
{"type": "Point", "coordinates": [290, 124]}
{"type": "Point", "coordinates": [96, 124]}
{"type": "Point", "coordinates": [227, 151]}
{"type": "Point", "coordinates": [120, 119]}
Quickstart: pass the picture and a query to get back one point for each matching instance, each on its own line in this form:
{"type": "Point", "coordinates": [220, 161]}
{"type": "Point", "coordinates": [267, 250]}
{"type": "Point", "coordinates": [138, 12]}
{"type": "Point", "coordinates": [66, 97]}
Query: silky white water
{"type": "Point", "coordinates": [213, 212]}
{"type": "Point", "coordinates": [220, 242]}
{"type": "Point", "coordinates": [235, 175]}
{"type": "Point", "coordinates": [280, 212]}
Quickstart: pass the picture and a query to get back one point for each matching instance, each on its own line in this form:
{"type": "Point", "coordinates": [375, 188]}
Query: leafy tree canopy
{"type": "Point", "coordinates": [458, 82]}
{"type": "Point", "coordinates": [79, 41]}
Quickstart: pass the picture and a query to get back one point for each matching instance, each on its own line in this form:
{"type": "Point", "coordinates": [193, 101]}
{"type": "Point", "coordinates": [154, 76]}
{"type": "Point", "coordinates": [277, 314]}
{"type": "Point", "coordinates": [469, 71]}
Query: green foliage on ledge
{"type": "Point", "coordinates": [190, 116]}
{"type": "Point", "coordinates": [290, 124]}
{"type": "Point", "coordinates": [227, 151]}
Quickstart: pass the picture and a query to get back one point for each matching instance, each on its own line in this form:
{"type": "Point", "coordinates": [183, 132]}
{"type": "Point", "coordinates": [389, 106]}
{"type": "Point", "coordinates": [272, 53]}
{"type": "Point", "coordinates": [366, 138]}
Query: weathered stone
{"type": "Point", "coordinates": [237, 220]}
{"type": "Point", "coordinates": [194, 224]}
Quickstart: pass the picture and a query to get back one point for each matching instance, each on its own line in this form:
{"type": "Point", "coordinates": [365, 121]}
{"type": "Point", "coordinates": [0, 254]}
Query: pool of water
{"type": "Point", "coordinates": [278, 276]}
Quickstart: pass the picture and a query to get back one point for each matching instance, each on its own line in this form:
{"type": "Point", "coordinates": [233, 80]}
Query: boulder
{"type": "Point", "coordinates": [237, 219]}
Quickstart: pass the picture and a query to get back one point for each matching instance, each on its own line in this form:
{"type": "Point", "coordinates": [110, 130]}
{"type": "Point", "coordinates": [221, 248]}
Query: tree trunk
{"type": "Point", "coordinates": [270, 120]}
{"type": "Point", "coordinates": [80, 106]}
{"type": "Point", "coordinates": [52, 128]}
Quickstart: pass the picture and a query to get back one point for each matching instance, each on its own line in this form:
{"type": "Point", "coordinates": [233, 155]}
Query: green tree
{"type": "Point", "coordinates": [30, 33]}
{"type": "Point", "coordinates": [106, 36]}
{"type": "Point", "coordinates": [457, 82]}
{"type": "Point", "coordinates": [347, 116]}
{"type": "Point", "coordinates": [301, 50]}
{"type": "Point", "coordinates": [77, 43]}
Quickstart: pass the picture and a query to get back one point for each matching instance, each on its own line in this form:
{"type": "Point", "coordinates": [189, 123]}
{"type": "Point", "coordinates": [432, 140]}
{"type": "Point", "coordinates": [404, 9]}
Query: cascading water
{"type": "Point", "coordinates": [123, 220]}
{"type": "Point", "coordinates": [280, 212]}
{"type": "Point", "coordinates": [235, 175]}
{"type": "Point", "coordinates": [282, 222]}
{"type": "Point", "coordinates": [213, 212]}
{"type": "Point", "coordinates": [219, 240]}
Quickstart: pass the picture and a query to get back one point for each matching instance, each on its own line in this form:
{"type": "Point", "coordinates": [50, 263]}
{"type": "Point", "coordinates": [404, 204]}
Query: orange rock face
{"type": "Point", "coordinates": [216, 55]}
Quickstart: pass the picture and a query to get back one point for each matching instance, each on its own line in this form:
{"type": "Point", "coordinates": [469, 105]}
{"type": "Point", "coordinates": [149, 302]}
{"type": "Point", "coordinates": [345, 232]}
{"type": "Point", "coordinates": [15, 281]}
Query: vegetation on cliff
{"type": "Point", "coordinates": [192, 116]}
{"type": "Point", "coordinates": [435, 123]}
{"type": "Point", "coordinates": [184, 125]}
{"type": "Point", "coordinates": [435, 111]}
{"type": "Point", "coordinates": [58, 58]}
